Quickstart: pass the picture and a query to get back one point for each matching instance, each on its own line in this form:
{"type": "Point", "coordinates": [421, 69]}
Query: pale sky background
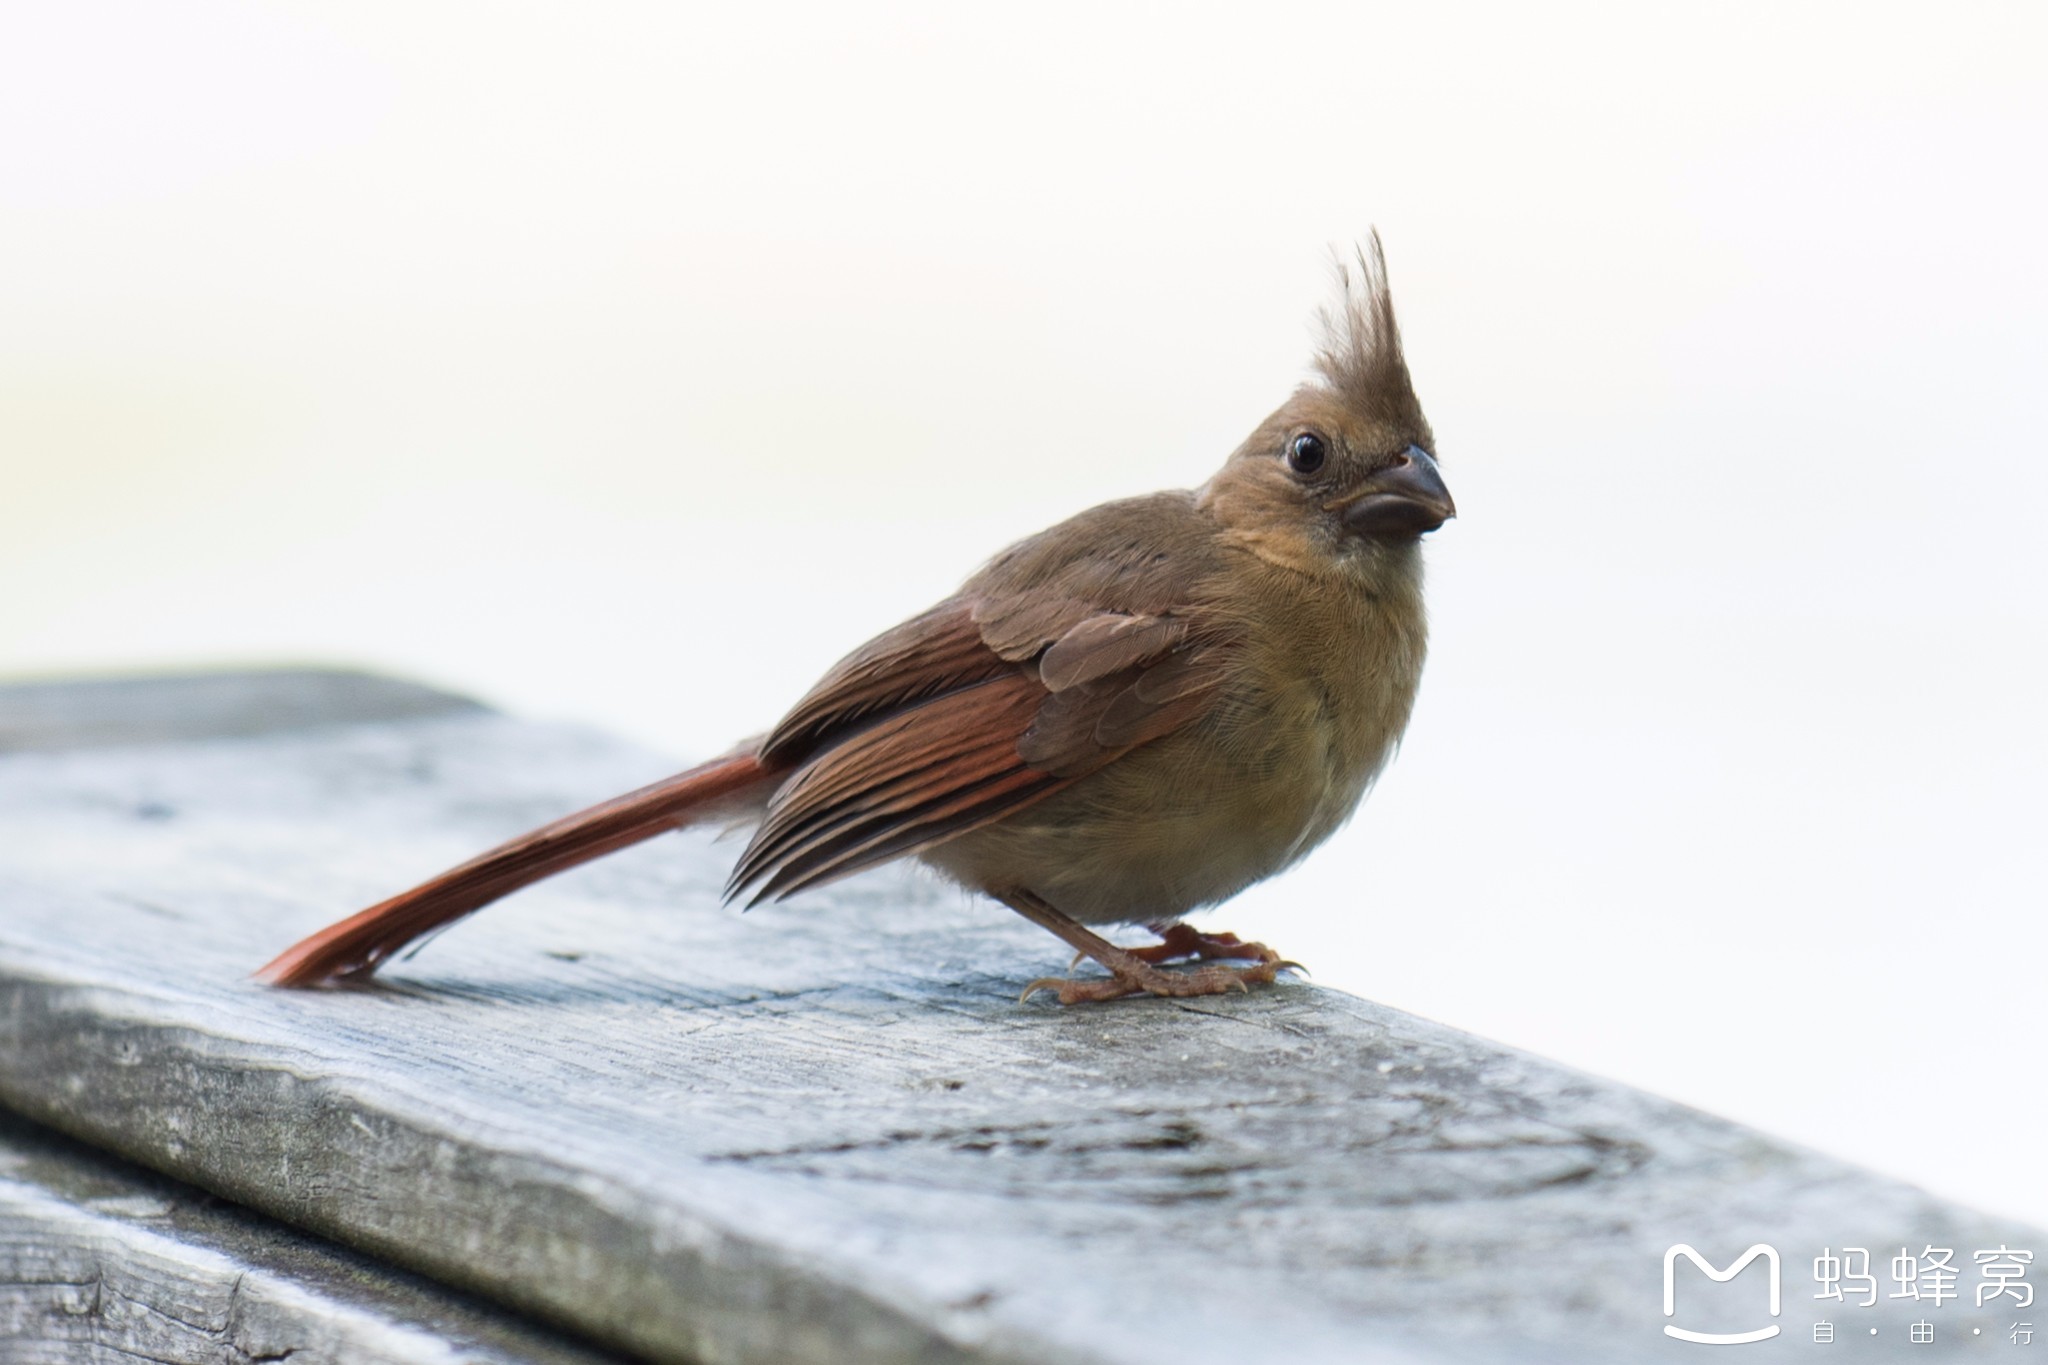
{"type": "Point", "coordinates": [629, 364]}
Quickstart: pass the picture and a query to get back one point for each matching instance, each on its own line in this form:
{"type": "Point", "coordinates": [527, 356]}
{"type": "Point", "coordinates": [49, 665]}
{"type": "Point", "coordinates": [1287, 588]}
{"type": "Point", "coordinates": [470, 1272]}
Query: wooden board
{"type": "Point", "coordinates": [827, 1131]}
{"type": "Point", "coordinates": [189, 707]}
{"type": "Point", "coordinates": [100, 1261]}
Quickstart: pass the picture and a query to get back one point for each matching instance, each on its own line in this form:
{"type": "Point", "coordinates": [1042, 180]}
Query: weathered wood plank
{"type": "Point", "coordinates": [144, 710]}
{"type": "Point", "coordinates": [101, 1262]}
{"type": "Point", "coordinates": [826, 1132]}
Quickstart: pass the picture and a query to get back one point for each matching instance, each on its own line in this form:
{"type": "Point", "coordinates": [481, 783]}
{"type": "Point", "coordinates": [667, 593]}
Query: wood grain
{"type": "Point", "coordinates": [824, 1132]}
{"type": "Point", "coordinates": [101, 1261]}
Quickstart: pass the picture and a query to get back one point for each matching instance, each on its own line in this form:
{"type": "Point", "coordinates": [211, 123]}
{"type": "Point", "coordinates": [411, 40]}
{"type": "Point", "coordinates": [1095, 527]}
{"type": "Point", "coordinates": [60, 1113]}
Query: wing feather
{"type": "Point", "coordinates": [1019, 626]}
{"type": "Point", "coordinates": [1068, 650]}
{"type": "Point", "coordinates": [935, 652]}
{"type": "Point", "coordinates": [936, 769]}
{"type": "Point", "coordinates": [1107, 643]}
{"type": "Point", "coordinates": [1133, 718]}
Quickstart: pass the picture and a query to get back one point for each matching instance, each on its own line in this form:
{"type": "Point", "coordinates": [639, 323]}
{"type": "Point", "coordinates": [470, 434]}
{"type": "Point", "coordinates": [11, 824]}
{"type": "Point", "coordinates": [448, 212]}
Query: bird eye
{"type": "Point", "coordinates": [1307, 453]}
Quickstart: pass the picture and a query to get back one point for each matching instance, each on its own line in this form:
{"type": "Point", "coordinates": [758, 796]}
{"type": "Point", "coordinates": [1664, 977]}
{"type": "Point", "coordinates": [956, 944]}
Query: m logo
{"type": "Point", "coordinates": [1770, 1254]}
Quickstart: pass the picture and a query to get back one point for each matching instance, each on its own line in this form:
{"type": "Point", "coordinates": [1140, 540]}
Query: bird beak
{"type": "Point", "coordinates": [1407, 498]}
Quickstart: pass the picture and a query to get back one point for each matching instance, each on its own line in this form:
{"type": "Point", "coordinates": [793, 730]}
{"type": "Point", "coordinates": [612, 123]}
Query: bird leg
{"type": "Point", "coordinates": [1129, 972]}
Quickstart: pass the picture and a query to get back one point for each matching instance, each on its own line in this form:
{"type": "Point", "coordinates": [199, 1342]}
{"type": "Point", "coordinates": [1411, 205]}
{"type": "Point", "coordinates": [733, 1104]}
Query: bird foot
{"type": "Point", "coordinates": [1142, 978]}
{"type": "Point", "coordinates": [1183, 941]}
{"type": "Point", "coordinates": [1133, 971]}
{"type": "Point", "coordinates": [1179, 941]}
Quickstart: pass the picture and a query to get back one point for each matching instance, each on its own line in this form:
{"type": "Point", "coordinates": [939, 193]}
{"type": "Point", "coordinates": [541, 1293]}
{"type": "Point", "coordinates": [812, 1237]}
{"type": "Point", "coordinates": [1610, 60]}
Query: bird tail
{"type": "Point", "coordinates": [357, 946]}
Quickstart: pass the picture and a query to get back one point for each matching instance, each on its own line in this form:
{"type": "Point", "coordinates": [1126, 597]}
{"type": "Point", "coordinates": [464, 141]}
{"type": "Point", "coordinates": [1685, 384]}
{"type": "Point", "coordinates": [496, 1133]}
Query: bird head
{"type": "Point", "coordinates": [1345, 470]}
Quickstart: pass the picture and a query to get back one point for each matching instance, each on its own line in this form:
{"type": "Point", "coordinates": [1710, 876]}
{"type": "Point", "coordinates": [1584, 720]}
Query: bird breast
{"type": "Point", "coordinates": [1319, 689]}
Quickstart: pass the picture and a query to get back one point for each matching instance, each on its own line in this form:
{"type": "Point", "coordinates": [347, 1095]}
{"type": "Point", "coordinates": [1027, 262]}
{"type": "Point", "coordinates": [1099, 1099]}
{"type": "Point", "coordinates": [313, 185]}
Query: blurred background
{"type": "Point", "coordinates": [628, 364]}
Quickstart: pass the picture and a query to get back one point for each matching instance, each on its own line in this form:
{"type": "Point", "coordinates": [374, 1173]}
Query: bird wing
{"type": "Point", "coordinates": [1067, 651]}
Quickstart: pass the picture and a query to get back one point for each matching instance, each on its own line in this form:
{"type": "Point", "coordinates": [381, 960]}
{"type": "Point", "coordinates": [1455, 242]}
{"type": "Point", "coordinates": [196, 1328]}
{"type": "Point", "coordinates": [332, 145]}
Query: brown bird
{"type": "Point", "coordinates": [1125, 718]}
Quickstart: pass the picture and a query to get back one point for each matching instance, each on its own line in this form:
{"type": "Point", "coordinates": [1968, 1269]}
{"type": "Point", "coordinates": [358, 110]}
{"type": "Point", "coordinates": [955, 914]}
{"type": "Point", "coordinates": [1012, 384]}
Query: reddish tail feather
{"type": "Point", "coordinates": [356, 946]}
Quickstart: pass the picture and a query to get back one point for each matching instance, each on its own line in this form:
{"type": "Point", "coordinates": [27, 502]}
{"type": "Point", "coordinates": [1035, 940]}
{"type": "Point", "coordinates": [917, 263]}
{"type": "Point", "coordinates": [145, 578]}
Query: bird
{"type": "Point", "coordinates": [1121, 720]}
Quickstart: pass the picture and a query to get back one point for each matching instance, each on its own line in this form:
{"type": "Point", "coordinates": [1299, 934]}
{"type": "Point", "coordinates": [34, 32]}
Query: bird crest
{"type": "Point", "coordinates": [1358, 354]}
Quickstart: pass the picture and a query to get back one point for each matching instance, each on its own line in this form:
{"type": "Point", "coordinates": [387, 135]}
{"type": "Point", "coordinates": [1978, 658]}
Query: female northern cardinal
{"type": "Point", "coordinates": [1122, 719]}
